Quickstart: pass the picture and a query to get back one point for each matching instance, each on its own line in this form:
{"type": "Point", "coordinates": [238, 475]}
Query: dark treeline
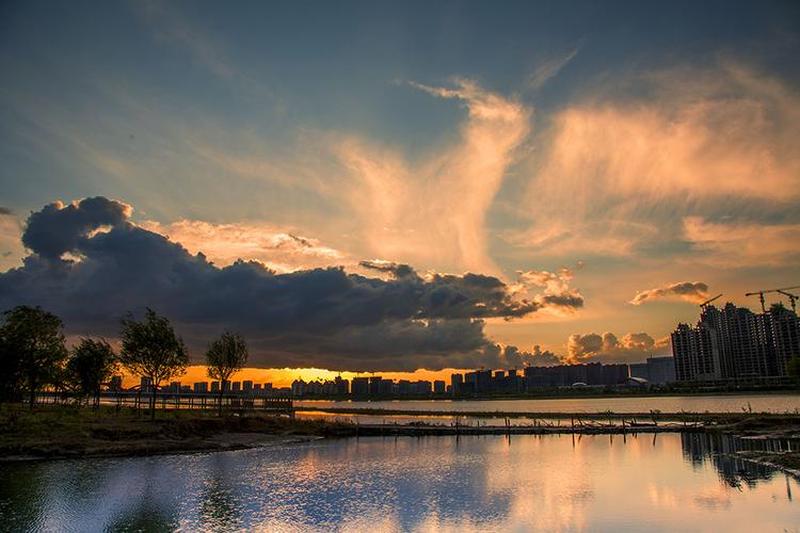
{"type": "Point", "coordinates": [34, 356]}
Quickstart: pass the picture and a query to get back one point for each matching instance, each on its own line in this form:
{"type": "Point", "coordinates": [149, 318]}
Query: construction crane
{"type": "Point", "coordinates": [781, 291]}
{"type": "Point", "coordinates": [707, 302]}
{"type": "Point", "coordinates": [792, 299]}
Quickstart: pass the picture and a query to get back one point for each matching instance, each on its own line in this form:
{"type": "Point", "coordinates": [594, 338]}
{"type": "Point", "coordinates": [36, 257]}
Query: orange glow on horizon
{"type": "Point", "coordinates": [283, 377]}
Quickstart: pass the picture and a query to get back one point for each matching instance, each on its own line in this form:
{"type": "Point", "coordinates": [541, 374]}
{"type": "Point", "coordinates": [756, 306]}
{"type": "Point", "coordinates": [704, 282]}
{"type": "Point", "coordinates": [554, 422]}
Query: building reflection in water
{"type": "Point", "coordinates": [473, 483]}
{"type": "Point", "coordinates": [721, 450]}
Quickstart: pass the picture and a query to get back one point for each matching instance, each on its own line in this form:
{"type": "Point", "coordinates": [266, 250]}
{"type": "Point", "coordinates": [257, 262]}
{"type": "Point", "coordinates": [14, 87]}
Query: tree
{"type": "Point", "coordinates": [225, 356]}
{"type": "Point", "coordinates": [10, 378]}
{"type": "Point", "coordinates": [90, 364]}
{"type": "Point", "coordinates": [151, 349]}
{"type": "Point", "coordinates": [32, 349]}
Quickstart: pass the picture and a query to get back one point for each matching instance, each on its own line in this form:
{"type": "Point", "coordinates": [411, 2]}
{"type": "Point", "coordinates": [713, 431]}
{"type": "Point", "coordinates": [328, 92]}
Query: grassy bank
{"type": "Point", "coordinates": [57, 431]}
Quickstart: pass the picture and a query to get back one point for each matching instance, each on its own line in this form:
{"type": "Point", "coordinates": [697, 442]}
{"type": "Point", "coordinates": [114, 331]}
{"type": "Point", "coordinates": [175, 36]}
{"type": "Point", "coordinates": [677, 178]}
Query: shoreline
{"type": "Point", "coordinates": [64, 432]}
{"type": "Point", "coordinates": [224, 443]}
{"type": "Point", "coordinates": [50, 433]}
{"type": "Point", "coordinates": [688, 416]}
{"type": "Point", "coordinates": [564, 394]}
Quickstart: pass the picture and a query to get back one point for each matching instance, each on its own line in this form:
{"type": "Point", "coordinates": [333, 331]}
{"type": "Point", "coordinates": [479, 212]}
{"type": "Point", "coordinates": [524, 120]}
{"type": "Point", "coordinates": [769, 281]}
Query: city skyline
{"type": "Point", "coordinates": [406, 190]}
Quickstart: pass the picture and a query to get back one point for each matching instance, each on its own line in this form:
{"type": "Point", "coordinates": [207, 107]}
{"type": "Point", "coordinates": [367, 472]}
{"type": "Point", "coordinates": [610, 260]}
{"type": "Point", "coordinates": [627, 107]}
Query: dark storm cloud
{"type": "Point", "coordinates": [541, 357]}
{"type": "Point", "coordinates": [58, 228]}
{"type": "Point", "coordinates": [567, 299]}
{"type": "Point", "coordinates": [300, 242]}
{"type": "Point", "coordinates": [513, 357]}
{"type": "Point", "coordinates": [323, 317]}
{"type": "Point", "coordinates": [398, 270]}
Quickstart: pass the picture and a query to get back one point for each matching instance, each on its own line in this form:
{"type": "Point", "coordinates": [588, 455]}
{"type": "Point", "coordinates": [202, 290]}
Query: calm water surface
{"type": "Point", "coordinates": [775, 403]}
{"type": "Point", "coordinates": [594, 483]}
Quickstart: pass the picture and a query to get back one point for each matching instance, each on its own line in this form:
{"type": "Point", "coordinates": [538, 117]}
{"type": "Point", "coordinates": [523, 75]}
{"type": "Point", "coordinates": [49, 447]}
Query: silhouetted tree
{"type": "Point", "coordinates": [225, 356]}
{"type": "Point", "coordinates": [10, 378]}
{"type": "Point", "coordinates": [90, 364]}
{"type": "Point", "coordinates": [151, 349]}
{"type": "Point", "coordinates": [32, 349]}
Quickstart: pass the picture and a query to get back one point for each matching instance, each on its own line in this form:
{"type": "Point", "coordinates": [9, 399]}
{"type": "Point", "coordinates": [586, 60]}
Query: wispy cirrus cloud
{"type": "Point", "coordinates": [684, 143]}
{"type": "Point", "coordinates": [356, 193]}
{"type": "Point", "coordinates": [743, 243]}
{"type": "Point", "coordinates": [550, 68]}
{"type": "Point", "coordinates": [433, 211]}
{"type": "Point", "coordinates": [169, 25]}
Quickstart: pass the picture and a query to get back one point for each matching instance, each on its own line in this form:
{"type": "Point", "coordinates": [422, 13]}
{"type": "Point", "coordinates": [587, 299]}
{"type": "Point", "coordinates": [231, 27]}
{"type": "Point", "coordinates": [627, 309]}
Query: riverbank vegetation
{"type": "Point", "coordinates": [62, 432]}
{"type": "Point", "coordinates": [34, 357]}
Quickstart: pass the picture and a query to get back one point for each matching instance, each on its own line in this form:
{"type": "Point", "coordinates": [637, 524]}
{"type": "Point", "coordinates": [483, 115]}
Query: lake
{"type": "Point", "coordinates": [665, 482]}
{"type": "Point", "coordinates": [774, 403]}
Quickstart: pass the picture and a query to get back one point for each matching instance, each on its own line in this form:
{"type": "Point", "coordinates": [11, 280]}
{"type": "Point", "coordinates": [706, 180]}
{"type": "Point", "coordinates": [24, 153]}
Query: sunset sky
{"type": "Point", "coordinates": [502, 183]}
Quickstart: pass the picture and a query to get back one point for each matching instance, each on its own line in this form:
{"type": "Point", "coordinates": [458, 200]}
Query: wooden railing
{"type": "Point", "coordinates": [185, 400]}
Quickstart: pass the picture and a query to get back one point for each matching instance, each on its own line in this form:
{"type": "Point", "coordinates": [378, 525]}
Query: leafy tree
{"type": "Point", "coordinates": [225, 356]}
{"type": "Point", "coordinates": [32, 349]}
{"type": "Point", "coordinates": [90, 364]}
{"type": "Point", "coordinates": [151, 349]}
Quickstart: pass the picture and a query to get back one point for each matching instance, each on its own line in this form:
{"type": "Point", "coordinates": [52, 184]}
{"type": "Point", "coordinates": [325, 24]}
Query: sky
{"type": "Point", "coordinates": [375, 186]}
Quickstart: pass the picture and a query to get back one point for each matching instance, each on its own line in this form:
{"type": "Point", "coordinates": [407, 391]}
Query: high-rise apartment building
{"type": "Point", "coordinates": [733, 343]}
